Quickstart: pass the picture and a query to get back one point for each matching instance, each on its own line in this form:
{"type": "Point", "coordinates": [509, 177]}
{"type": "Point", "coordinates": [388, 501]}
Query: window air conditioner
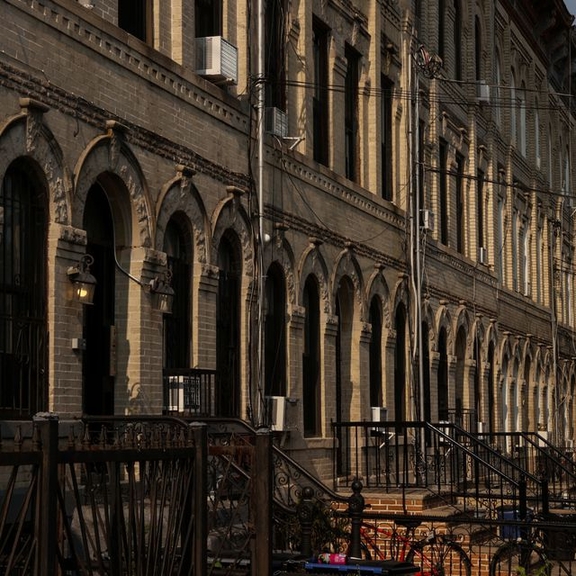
{"type": "Point", "coordinates": [276, 122]}
{"type": "Point", "coordinates": [428, 220]}
{"type": "Point", "coordinates": [483, 255]}
{"type": "Point", "coordinates": [483, 94]}
{"type": "Point", "coordinates": [217, 60]}
{"type": "Point", "coordinates": [276, 412]}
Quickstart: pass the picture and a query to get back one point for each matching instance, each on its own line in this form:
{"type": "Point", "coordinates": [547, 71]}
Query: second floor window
{"type": "Point", "coordinates": [460, 215]}
{"type": "Point", "coordinates": [135, 17]}
{"type": "Point", "coordinates": [274, 55]}
{"type": "Point", "coordinates": [208, 18]}
{"type": "Point", "coordinates": [386, 136]}
{"type": "Point", "coordinates": [351, 113]}
{"type": "Point", "coordinates": [320, 38]}
{"type": "Point", "coordinates": [443, 185]}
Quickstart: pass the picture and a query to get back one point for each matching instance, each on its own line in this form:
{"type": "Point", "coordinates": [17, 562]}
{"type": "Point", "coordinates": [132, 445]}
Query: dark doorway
{"type": "Point", "coordinates": [99, 361]}
{"type": "Point", "coordinates": [376, 353]}
{"type": "Point", "coordinates": [442, 377]}
{"type": "Point", "coordinates": [23, 322]}
{"type": "Point", "coordinates": [228, 330]}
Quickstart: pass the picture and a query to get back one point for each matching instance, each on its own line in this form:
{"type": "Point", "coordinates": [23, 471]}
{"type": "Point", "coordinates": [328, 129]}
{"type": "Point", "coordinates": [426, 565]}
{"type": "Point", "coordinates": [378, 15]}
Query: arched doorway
{"type": "Point", "coordinates": [459, 377]}
{"type": "Point", "coordinates": [99, 356]}
{"type": "Point", "coordinates": [228, 328]}
{"type": "Point", "coordinates": [442, 376]}
{"type": "Point", "coordinates": [376, 352]}
{"type": "Point", "coordinates": [400, 383]}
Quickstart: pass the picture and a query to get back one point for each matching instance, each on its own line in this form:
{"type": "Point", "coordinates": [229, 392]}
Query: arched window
{"type": "Point", "coordinates": [23, 319]}
{"type": "Point", "coordinates": [478, 48]}
{"type": "Point", "coordinates": [311, 358]}
{"type": "Point", "coordinates": [376, 352]}
{"type": "Point", "coordinates": [177, 326]}
{"type": "Point", "coordinates": [228, 328]}
{"type": "Point", "coordinates": [275, 334]}
{"type": "Point", "coordinates": [400, 365]}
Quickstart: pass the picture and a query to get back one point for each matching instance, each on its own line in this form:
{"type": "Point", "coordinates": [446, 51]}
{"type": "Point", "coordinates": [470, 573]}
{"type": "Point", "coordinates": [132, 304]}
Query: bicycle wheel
{"type": "Point", "coordinates": [519, 559]}
{"type": "Point", "coordinates": [440, 556]}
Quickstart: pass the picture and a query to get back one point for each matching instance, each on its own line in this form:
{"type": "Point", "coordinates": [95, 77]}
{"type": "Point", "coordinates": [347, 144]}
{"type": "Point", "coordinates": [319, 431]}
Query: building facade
{"type": "Point", "coordinates": [374, 210]}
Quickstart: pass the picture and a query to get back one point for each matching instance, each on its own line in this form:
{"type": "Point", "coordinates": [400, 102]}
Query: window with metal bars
{"type": "Point", "coordinates": [23, 320]}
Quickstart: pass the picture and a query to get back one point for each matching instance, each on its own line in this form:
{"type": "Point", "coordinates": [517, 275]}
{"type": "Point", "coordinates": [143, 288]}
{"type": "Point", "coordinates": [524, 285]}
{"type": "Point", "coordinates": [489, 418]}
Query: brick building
{"type": "Point", "coordinates": [417, 220]}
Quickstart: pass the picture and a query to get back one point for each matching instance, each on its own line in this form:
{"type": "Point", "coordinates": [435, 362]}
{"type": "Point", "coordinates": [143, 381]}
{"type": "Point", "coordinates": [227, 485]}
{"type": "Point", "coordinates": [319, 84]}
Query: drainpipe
{"type": "Point", "coordinates": [259, 241]}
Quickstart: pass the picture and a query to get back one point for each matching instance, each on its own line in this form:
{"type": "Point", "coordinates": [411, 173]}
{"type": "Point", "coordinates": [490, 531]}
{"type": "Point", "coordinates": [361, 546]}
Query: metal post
{"type": "Point", "coordinates": [47, 502]}
{"type": "Point", "coordinates": [262, 487]}
{"type": "Point", "coordinates": [199, 498]}
{"type": "Point", "coordinates": [305, 515]}
{"type": "Point", "coordinates": [355, 510]}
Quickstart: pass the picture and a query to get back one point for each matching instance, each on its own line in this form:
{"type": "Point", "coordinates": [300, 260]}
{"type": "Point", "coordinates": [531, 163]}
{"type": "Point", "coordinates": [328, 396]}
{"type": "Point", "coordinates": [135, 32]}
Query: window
{"type": "Point", "coordinates": [566, 177]}
{"type": "Point", "coordinates": [539, 260]}
{"type": "Point", "coordinates": [514, 257]}
{"type": "Point", "coordinates": [23, 315]}
{"type": "Point", "coordinates": [498, 80]}
{"type": "Point", "coordinates": [376, 353]}
{"type": "Point", "coordinates": [386, 135]}
{"type": "Point", "coordinates": [525, 239]}
{"type": "Point", "coordinates": [135, 16]}
{"type": "Point", "coordinates": [513, 96]}
{"type": "Point", "coordinates": [311, 358]}
{"type": "Point", "coordinates": [351, 113]}
{"type": "Point", "coordinates": [208, 18]}
{"type": "Point", "coordinates": [521, 103]}
{"type": "Point", "coordinates": [275, 333]}
{"type": "Point", "coordinates": [537, 136]}
{"type": "Point", "coordinates": [460, 207]}
{"type": "Point", "coordinates": [457, 40]}
{"type": "Point", "coordinates": [500, 240]}
{"type": "Point", "coordinates": [320, 39]}
{"type": "Point", "coordinates": [275, 70]}
{"type": "Point", "coordinates": [550, 159]}
{"type": "Point", "coordinates": [443, 192]}
{"type": "Point", "coordinates": [441, 25]}
{"type": "Point", "coordinates": [480, 209]}
{"type": "Point", "coordinates": [478, 48]}
{"type": "Point", "coordinates": [177, 326]}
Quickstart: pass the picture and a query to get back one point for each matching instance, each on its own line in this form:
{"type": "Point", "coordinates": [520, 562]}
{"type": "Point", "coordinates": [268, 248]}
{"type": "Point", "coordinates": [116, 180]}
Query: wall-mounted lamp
{"type": "Point", "coordinates": [83, 283]}
{"type": "Point", "coordinates": [162, 293]}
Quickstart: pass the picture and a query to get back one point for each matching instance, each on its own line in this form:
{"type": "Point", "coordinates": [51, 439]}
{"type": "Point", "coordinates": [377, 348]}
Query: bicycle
{"type": "Point", "coordinates": [525, 556]}
{"type": "Point", "coordinates": [434, 554]}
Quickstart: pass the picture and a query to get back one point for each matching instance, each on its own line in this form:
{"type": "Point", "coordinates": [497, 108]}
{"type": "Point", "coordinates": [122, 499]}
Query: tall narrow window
{"type": "Point", "coordinates": [275, 333]}
{"type": "Point", "coordinates": [311, 358]}
{"type": "Point", "coordinates": [457, 40]}
{"type": "Point", "coordinates": [537, 151]}
{"type": "Point", "coordinates": [441, 28]}
{"type": "Point", "coordinates": [480, 208]}
{"type": "Point", "coordinates": [135, 16]}
{"type": "Point", "coordinates": [376, 353]}
{"type": "Point", "coordinates": [275, 69]}
{"type": "Point", "coordinates": [500, 240]}
{"type": "Point", "coordinates": [522, 119]}
{"type": "Point", "coordinates": [498, 81]}
{"type": "Point", "coordinates": [478, 48]}
{"type": "Point", "coordinates": [443, 192]}
{"type": "Point", "coordinates": [351, 113]}
{"type": "Point", "coordinates": [460, 216]}
{"type": "Point", "coordinates": [23, 312]}
{"type": "Point", "coordinates": [525, 239]}
{"type": "Point", "coordinates": [514, 256]}
{"type": "Point", "coordinates": [386, 135]}
{"type": "Point", "coordinates": [539, 260]}
{"type": "Point", "coordinates": [320, 39]}
{"type": "Point", "coordinates": [442, 375]}
{"type": "Point", "coordinates": [208, 18]}
{"type": "Point", "coordinates": [177, 326]}
{"type": "Point", "coordinates": [513, 119]}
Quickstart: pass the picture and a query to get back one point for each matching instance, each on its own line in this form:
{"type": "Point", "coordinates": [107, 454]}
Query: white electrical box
{"type": "Point", "coordinates": [483, 95]}
{"type": "Point", "coordinates": [276, 406]}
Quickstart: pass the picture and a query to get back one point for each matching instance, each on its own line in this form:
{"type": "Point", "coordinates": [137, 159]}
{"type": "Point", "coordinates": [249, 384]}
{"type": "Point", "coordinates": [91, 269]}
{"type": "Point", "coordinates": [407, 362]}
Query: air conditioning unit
{"type": "Point", "coordinates": [175, 394]}
{"type": "Point", "coordinates": [482, 255]}
{"type": "Point", "coordinates": [217, 59]}
{"type": "Point", "coordinates": [276, 412]}
{"type": "Point", "coordinates": [527, 289]}
{"type": "Point", "coordinates": [428, 220]}
{"type": "Point", "coordinates": [276, 122]}
{"type": "Point", "coordinates": [483, 93]}
{"type": "Point", "coordinates": [378, 414]}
